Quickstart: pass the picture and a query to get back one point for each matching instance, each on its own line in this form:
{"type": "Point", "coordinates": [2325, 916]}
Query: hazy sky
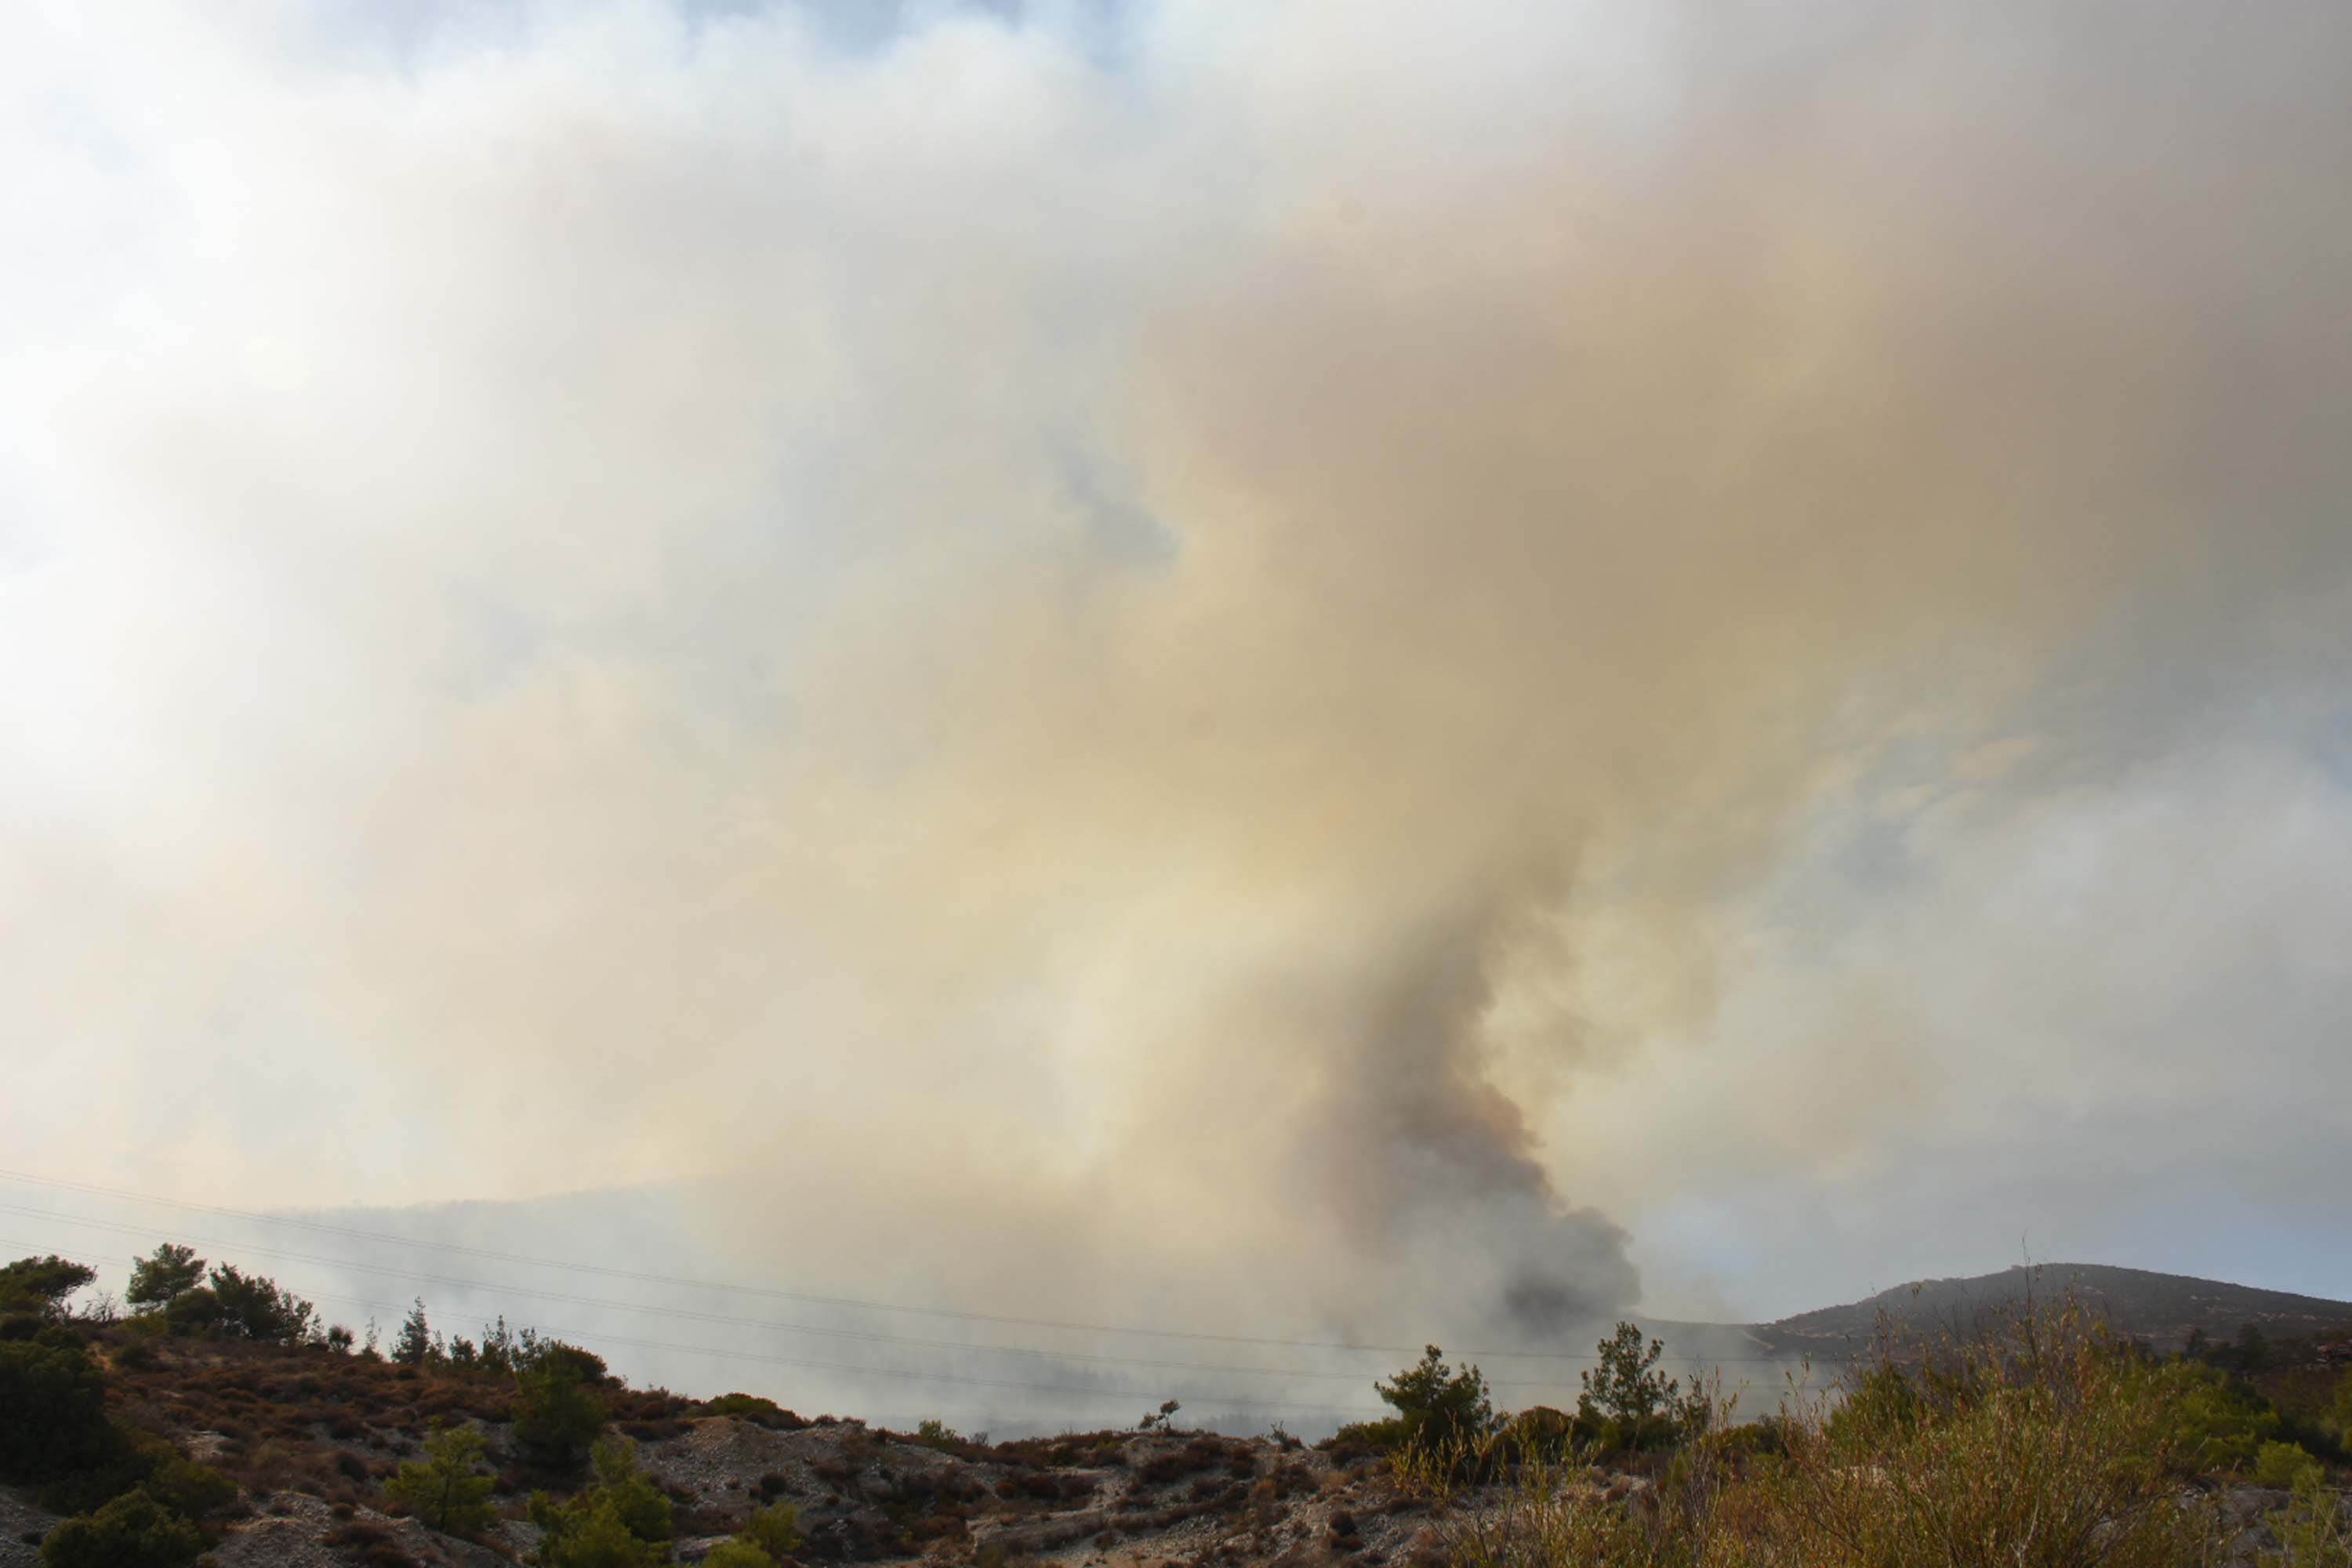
{"type": "Point", "coordinates": [1376, 667]}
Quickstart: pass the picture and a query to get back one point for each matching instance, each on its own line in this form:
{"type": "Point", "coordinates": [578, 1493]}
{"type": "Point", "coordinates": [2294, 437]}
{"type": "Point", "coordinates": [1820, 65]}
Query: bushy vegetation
{"type": "Point", "coordinates": [233, 1305]}
{"type": "Point", "coordinates": [755, 1408]}
{"type": "Point", "coordinates": [136, 1500]}
{"type": "Point", "coordinates": [164, 1276]}
{"type": "Point", "coordinates": [37, 1287]}
{"type": "Point", "coordinates": [2216, 1422]}
{"type": "Point", "coordinates": [558, 1411]}
{"type": "Point", "coordinates": [1438, 1409]}
{"type": "Point", "coordinates": [1627, 1405]}
{"type": "Point", "coordinates": [134, 1530]}
{"type": "Point", "coordinates": [1436, 1405]}
{"type": "Point", "coordinates": [622, 1521]}
{"type": "Point", "coordinates": [2050, 1444]}
{"type": "Point", "coordinates": [2315, 1530]}
{"type": "Point", "coordinates": [449, 1486]}
{"type": "Point", "coordinates": [285, 1394]}
{"type": "Point", "coordinates": [52, 1409]}
{"type": "Point", "coordinates": [2047, 1445]}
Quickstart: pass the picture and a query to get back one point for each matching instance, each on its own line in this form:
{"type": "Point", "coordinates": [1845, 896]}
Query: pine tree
{"type": "Point", "coordinates": [1437, 1404]}
{"type": "Point", "coordinates": [40, 1285]}
{"type": "Point", "coordinates": [1636, 1404]}
{"type": "Point", "coordinates": [445, 1488]}
{"type": "Point", "coordinates": [171, 1270]}
{"type": "Point", "coordinates": [415, 1345]}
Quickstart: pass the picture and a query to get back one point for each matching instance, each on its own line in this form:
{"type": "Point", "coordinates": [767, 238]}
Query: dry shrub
{"type": "Point", "coordinates": [2041, 1445]}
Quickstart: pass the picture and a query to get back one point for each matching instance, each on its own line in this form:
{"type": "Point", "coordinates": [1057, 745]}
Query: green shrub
{"type": "Point", "coordinates": [1383, 1436]}
{"type": "Point", "coordinates": [187, 1487]}
{"type": "Point", "coordinates": [2315, 1528]}
{"type": "Point", "coordinates": [55, 1434]}
{"type": "Point", "coordinates": [52, 1409]}
{"type": "Point", "coordinates": [750, 1408]}
{"type": "Point", "coordinates": [1880, 1402]}
{"type": "Point", "coordinates": [123, 1458]}
{"type": "Point", "coordinates": [558, 1412]}
{"type": "Point", "coordinates": [775, 1530]}
{"type": "Point", "coordinates": [622, 1521]}
{"type": "Point", "coordinates": [446, 1488]}
{"type": "Point", "coordinates": [1750, 1440]}
{"type": "Point", "coordinates": [134, 1530]}
{"type": "Point", "coordinates": [2284, 1465]}
{"type": "Point", "coordinates": [2214, 1422]}
{"type": "Point", "coordinates": [1542, 1424]}
{"type": "Point", "coordinates": [631, 1493]}
{"type": "Point", "coordinates": [588, 1536]}
{"type": "Point", "coordinates": [191, 1312]}
{"type": "Point", "coordinates": [736, 1553]}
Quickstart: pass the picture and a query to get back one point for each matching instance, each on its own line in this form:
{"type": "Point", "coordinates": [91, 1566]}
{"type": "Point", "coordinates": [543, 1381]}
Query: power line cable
{"type": "Point", "coordinates": [1237, 1404]}
{"type": "Point", "coordinates": [1218, 1401]}
{"type": "Point", "coordinates": [689, 1314]}
{"type": "Point", "coordinates": [686, 1283]}
{"type": "Point", "coordinates": [686, 1313]}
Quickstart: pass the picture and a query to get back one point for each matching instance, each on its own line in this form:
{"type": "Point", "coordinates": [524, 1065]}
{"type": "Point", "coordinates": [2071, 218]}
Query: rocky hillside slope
{"type": "Point", "coordinates": [311, 1438]}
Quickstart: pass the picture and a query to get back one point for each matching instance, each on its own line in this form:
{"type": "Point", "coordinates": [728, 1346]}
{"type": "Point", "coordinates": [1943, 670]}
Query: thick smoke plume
{"type": "Point", "coordinates": [1112, 659]}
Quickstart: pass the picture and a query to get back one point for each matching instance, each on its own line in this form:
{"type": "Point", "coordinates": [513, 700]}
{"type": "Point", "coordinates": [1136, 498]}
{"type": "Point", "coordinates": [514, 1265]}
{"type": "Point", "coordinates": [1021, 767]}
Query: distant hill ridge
{"type": "Point", "coordinates": [2163, 1309]}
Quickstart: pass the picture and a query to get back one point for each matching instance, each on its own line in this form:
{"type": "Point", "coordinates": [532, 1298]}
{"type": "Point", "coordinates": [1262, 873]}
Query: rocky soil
{"type": "Point", "coordinates": [21, 1527]}
{"type": "Point", "coordinates": [864, 1495]}
{"type": "Point", "coordinates": [868, 1495]}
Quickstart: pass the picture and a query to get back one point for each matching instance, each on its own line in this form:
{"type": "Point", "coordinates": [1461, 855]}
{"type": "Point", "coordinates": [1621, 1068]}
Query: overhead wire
{"type": "Point", "coordinates": [1236, 1405]}
{"type": "Point", "coordinates": [684, 1282]}
{"type": "Point", "coordinates": [684, 1313]}
{"type": "Point", "coordinates": [730, 1320]}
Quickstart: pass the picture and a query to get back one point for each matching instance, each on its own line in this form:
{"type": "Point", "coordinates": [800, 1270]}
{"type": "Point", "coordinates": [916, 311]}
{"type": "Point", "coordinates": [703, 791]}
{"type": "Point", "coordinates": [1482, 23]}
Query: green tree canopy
{"type": "Point", "coordinates": [247, 1307]}
{"type": "Point", "coordinates": [448, 1488]}
{"type": "Point", "coordinates": [1627, 1387]}
{"type": "Point", "coordinates": [558, 1412]}
{"type": "Point", "coordinates": [41, 1284]}
{"type": "Point", "coordinates": [170, 1271]}
{"type": "Point", "coordinates": [415, 1345]}
{"type": "Point", "coordinates": [1437, 1404]}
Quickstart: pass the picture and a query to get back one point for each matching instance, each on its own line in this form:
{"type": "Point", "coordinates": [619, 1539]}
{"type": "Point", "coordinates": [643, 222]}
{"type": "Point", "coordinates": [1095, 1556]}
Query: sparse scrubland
{"type": "Point", "coordinates": [220, 1416]}
{"type": "Point", "coordinates": [2043, 1441]}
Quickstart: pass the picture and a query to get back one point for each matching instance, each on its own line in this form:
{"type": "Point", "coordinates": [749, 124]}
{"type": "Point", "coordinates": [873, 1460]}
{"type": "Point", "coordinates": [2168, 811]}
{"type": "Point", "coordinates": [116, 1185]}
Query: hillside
{"type": "Point", "coordinates": [2162, 1310]}
{"type": "Point", "coordinates": [220, 1423]}
{"type": "Point", "coordinates": [310, 1438]}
